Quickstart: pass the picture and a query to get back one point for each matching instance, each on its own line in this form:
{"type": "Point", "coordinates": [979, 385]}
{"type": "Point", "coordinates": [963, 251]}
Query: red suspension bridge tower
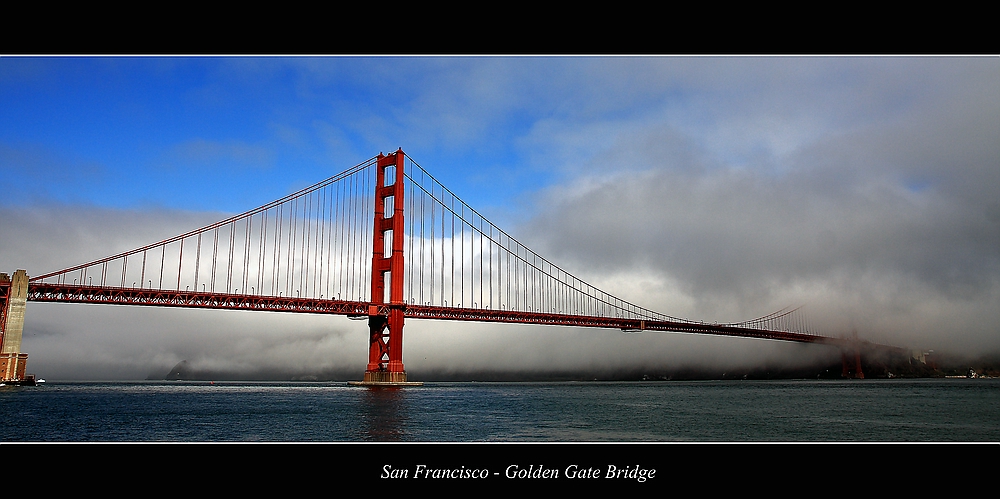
{"type": "Point", "coordinates": [385, 350]}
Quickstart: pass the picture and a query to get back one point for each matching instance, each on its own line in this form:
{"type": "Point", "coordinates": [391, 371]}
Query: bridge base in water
{"type": "Point", "coordinates": [385, 378]}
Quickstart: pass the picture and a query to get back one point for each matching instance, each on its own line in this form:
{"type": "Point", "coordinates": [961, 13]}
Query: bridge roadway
{"type": "Point", "coordinates": [66, 293]}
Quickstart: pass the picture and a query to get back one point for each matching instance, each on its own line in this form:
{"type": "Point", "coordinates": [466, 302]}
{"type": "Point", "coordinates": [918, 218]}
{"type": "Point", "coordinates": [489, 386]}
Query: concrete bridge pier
{"type": "Point", "coordinates": [13, 298]}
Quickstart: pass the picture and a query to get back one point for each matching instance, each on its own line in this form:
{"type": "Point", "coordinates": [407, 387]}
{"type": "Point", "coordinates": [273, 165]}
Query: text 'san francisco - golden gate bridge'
{"type": "Point", "coordinates": [413, 250]}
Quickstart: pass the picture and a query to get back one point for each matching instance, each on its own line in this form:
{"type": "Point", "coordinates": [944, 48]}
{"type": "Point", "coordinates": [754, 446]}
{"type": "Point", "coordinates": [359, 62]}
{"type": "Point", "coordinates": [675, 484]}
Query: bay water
{"type": "Point", "coordinates": [913, 410]}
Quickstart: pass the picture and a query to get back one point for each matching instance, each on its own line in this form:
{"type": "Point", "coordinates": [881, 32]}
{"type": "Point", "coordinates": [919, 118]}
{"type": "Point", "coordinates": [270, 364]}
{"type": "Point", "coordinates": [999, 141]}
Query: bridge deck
{"type": "Point", "coordinates": [64, 293]}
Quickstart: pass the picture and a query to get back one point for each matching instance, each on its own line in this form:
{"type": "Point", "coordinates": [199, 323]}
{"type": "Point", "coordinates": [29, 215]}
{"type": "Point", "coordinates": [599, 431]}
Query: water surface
{"type": "Point", "coordinates": [729, 411]}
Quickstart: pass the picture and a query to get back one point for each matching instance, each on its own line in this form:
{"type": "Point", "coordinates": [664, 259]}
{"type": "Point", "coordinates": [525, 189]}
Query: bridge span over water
{"type": "Point", "coordinates": [384, 240]}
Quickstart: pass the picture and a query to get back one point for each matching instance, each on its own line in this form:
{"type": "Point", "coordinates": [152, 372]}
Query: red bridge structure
{"type": "Point", "coordinates": [413, 250]}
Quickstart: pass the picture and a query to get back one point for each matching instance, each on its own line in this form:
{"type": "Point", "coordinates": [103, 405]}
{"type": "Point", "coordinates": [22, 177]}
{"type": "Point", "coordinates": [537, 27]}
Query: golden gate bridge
{"type": "Point", "coordinates": [412, 250]}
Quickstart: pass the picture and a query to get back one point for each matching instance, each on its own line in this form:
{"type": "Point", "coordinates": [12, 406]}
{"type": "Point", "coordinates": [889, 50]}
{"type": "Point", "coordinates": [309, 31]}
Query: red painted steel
{"type": "Point", "coordinates": [627, 325]}
{"type": "Point", "coordinates": [66, 293]}
{"type": "Point", "coordinates": [385, 351]}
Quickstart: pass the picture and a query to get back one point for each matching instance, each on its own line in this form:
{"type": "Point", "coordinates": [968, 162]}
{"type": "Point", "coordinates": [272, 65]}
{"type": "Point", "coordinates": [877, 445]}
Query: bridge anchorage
{"type": "Point", "coordinates": [413, 250]}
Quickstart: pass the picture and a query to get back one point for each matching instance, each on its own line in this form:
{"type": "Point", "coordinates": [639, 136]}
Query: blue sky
{"type": "Point", "coordinates": [715, 188]}
{"type": "Point", "coordinates": [225, 133]}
